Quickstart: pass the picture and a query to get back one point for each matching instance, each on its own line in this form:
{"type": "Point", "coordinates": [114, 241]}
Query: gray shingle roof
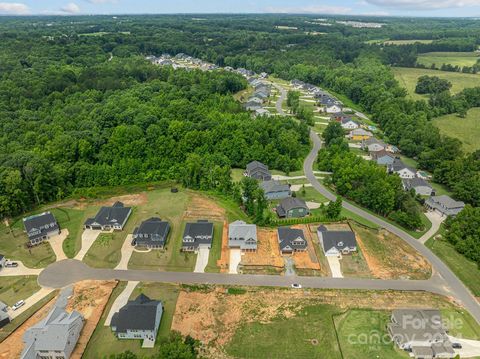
{"type": "Point", "coordinates": [240, 229]}
{"type": "Point", "coordinates": [445, 204]}
{"type": "Point", "coordinates": [415, 182]}
{"type": "Point", "coordinates": [201, 231]}
{"type": "Point", "coordinates": [274, 186]}
{"type": "Point", "coordinates": [39, 225]}
{"type": "Point", "coordinates": [110, 215]}
{"type": "Point", "coordinates": [338, 240]}
{"type": "Point", "coordinates": [290, 203]}
{"type": "Point", "coordinates": [139, 314]}
{"type": "Point", "coordinates": [291, 238]}
{"type": "Point", "coordinates": [152, 231]}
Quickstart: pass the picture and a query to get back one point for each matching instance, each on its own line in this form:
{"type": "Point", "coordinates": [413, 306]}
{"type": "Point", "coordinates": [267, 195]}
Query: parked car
{"type": "Point", "coordinates": [11, 265]}
{"type": "Point", "coordinates": [296, 286]}
{"type": "Point", "coordinates": [18, 304]}
{"type": "Point", "coordinates": [456, 346]}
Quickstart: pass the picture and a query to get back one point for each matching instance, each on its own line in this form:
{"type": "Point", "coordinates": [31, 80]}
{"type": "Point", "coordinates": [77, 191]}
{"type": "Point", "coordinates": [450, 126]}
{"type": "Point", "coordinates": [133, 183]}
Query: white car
{"type": "Point", "coordinates": [18, 304]}
{"type": "Point", "coordinates": [296, 286]}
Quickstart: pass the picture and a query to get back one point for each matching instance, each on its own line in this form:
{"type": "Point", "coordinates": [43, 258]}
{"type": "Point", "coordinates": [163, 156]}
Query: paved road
{"type": "Point", "coordinates": [452, 284]}
{"type": "Point", "coordinates": [63, 273]}
{"type": "Point", "coordinates": [283, 96]}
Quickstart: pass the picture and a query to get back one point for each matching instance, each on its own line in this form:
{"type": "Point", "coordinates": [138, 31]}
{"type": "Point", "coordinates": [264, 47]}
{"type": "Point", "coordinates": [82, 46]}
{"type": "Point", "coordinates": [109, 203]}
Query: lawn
{"type": "Point", "coordinates": [362, 334]}
{"type": "Point", "coordinates": [103, 341]}
{"type": "Point", "coordinates": [460, 323]}
{"type": "Point", "coordinates": [464, 269]}
{"type": "Point", "coordinates": [308, 334]}
{"type": "Point", "coordinates": [215, 251]}
{"type": "Point", "coordinates": [237, 174]}
{"type": "Point", "coordinates": [465, 129]}
{"type": "Point", "coordinates": [408, 78]}
{"type": "Point", "coordinates": [405, 42]}
{"type": "Point", "coordinates": [106, 250]}
{"type": "Point", "coordinates": [12, 289]}
{"type": "Point", "coordinates": [453, 58]}
{"type": "Point", "coordinates": [354, 265]}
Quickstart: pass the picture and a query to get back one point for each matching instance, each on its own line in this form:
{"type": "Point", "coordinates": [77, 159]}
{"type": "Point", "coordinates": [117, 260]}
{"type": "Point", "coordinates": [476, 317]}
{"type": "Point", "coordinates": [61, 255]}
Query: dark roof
{"type": "Point", "coordinates": [39, 225]}
{"type": "Point", "coordinates": [274, 186]}
{"type": "Point", "coordinates": [201, 231]}
{"type": "Point", "coordinates": [292, 202]}
{"type": "Point", "coordinates": [382, 153]}
{"type": "Point", "coordinates": [258, 170]}
{"type": "Point", "coordinates": [398, 165]}
{"type": "Point", "coordinates": [287, 237]}
{"type": "Point", "coordinates": [151, 231]}
{"type": "Point", "coordinates": [139, 314]}
{"type": "Point", "coordinates": [338, 239]}
{"type": "Point", "coordinates": [110, 215]}
{"type": "Point", "coordinates": [415, 182]}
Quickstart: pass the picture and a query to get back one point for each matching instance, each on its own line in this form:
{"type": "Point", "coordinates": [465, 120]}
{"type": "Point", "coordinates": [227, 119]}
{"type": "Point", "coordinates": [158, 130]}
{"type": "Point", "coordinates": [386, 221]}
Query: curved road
{"type": "Point", "coordinates": [283, 96]}
{"type": "Point", "coordinates": [453, 285]}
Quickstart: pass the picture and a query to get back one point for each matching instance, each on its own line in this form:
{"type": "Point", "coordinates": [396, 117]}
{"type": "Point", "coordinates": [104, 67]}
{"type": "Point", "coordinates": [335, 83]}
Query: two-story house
{"type": "Point", "coordinates": [243, 236]}
{"type": "Point", "coordinates": [291, 240]}
{"type": "Point", "coordinates": [40, 227]}
{"type": "Point", "coordinates": [109, 218]}
{"type": "Point", "coordinates": [292, 207]}
{"type": "Point", "coordinates": [151, 233]}
{"type": "Point", "coordinates": [197, 235]}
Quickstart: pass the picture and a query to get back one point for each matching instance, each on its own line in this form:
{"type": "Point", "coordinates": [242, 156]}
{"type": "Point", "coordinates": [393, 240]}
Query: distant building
{"type": "Point", "coordinates": [336, 243]}
{"type": "Point", "coordinates": [53, 337]}
{"type": "Point", "coordinates": [197, 235]}
{"type": "Point", "coordinates": [242, 235]}
{"type": "Point", "coordinates": [258, 170]}
{"type": "Point", "coordinates": [275, 190]}
{"type": "Point", "coordinates": [421, 332]}
{"type": "Point", "coordinates": [419, 185]}
{"type": "Point", "coordinates": [373, 145]}
{"type": "Point", "coordinates": [109, 218]}
{"type": "Point", "coordinates": [291, 240]}
{"type": "Point", "coordinates": [359, 134]}
{"type": "Point", "coordinates": [262, 112]}
{"type": "Point", "coordinates": [292, 207]}
{"type": "Point", "coordinates": [383, 158]}
{"type": "Point", "coordinates": [349, 124]}
{"type": "Point", "coordinates": [444, 205]}
{"type": "Point", "coordinates": [138, 319]}
{"type": "Point", "coordinates": [152, 233]}
{"type": "Point", "coordinates": [41, 227]}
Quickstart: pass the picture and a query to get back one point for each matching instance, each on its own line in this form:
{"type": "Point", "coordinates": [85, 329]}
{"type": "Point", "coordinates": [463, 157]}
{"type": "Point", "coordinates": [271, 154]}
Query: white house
{"type": "Point", "coordinates": [401, 169]}
{"type": "Point", "coordinates": [336, 243]}
{"type": "Point", "coordinates": [349, 124]}
{"type": "Point", "coordinates": [333, 109]}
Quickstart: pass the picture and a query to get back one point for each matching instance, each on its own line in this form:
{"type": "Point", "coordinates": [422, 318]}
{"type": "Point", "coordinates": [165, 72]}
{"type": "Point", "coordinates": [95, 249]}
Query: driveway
{"type": "Point", "coordinates": [436, 220]}
{"type": "Point", "coordinates": [127, 250]}
{"type": "Point", "coordinates": [30, 301]}
{"type": "Point", "coordinates": [56, 242]}
{"type": "Point", "coordinates": [20, 270]}
{"type": "Point", "coordinates": [335, 268]}
{"type": "Point", "coordinates": [470, 348]}
{"type": "Point", "coordinates": [202, 259]}
{"type": "Point", "coordinates": [120, 301]}
{"type": "Point", "coordinates": [289, 266]}
{"type": "Point", "coordinates": [88, 238]}
{"type": "Point", "coordinates": [235, 259]}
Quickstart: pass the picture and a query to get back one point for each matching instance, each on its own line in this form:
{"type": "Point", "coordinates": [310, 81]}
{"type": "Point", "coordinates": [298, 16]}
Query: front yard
{"type": "Point", "coordinates": [13, 289]}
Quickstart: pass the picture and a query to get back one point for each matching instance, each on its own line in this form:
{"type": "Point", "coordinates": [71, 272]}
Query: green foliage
{"type": "Point", "coordinates": [333, 133]}
{"type": "Point", "coordinates": [333, 209]}
{"type": "Point", "coordinates": [432, 84]}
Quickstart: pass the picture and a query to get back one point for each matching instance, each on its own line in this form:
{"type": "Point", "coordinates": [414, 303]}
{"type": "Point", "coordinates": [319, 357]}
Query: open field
{"type": "Point", "coordinates": [453, 58]}
{"type": "Point", "coordinates": [465, 129]}
{"type": "Point", "coordinates": [406, 42]}
{"type": "Point", "coordinates": [12, 289]}
{"type": "Point", "coordinates": [408, 78]}
{"type": "Point", "coordinates": [103, 342]}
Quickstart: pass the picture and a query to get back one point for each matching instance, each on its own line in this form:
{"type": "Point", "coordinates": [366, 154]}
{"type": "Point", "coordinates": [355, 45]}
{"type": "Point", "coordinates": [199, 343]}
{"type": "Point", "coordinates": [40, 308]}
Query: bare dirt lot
{"type": "Point", "coordinates": [213, 316]}
{"type": "Point", "coordinates": [307, 261]}
{"type": "Point", "coordinates": [201, 207]}
{"type": "Point", "coordinates": [89, 298]}
{"type": "Point", "coordinates": [267, 253]}
{"type": "Point", "coordinates": [224, 260]}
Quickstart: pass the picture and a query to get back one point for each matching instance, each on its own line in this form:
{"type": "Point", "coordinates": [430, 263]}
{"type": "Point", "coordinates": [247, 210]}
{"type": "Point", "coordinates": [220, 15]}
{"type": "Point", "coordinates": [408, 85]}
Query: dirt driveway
{"type": "Point", "coordinates": [88, 238]}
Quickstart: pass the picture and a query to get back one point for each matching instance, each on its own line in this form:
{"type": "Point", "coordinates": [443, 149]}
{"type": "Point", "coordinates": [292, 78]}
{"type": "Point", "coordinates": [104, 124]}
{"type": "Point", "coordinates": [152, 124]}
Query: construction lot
{"type": "Point", "coordinates": [267, 259]}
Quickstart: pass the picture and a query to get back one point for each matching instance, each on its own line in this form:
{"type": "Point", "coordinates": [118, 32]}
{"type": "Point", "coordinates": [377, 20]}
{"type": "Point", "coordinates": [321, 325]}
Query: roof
{"type": "Point", "coordinates": [382, 153]}
{"type": "Point", "coordinates": [373, 140]}
{"type": "Point", "coordinates": [256, 165]}
{"type": "Point", "coordinates": [274, 186]}
{"type": "Point", "coordinates": [445, 204]}
{"type": "Point", "coordinates": [292, 202]}
{"type": "Point", "coordinates": [151, 231]}
{"type": "Point", "coordinates": [415, 182]}
{"type": "Point", "coordinates": [361, 132]}
{"type": "Point", "coordinates": [338, 239]}
{"type": "Point", "coordinates": [139, 314]}
{"type": "Point", "coordinates": [291, 238]}
{"type": "Point", "coordinates": [398, 165]}
{"type": "Point", "coordinates": [242, 230]}
{"type": "Point", "coordinates": [38, 225]}
{"type": "Point", "coordinates": [201, 231]}
{"type": "Point", "coordinates": [110, 215]}
{"type": "Point", "coordinates": [347, 119]}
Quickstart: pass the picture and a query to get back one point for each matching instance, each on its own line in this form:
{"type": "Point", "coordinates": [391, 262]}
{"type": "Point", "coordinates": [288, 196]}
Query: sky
{"type": "Point", "coordinates": [438, 8]}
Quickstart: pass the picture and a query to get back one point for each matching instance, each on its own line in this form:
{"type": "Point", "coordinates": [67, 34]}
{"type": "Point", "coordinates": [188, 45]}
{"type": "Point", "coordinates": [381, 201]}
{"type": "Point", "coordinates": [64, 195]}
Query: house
{"type": "Point", "coordinates": [41, 227]}
{"type": "Point", "coordinates": [339, 117]}
{"type": "Point", "coordinates": [258, 170]}
{"type": "Point", "coordinates": [262, 112]}
{"type": "Point", "coordinates": [383, 158]}
{"type": "Point", "coordinates": [401, 169]}
{"type": "Point", "coordinates": [53, 337]}
{"type": "Point", "coordinates": [444, 205]}
{"type": "Point", "coordinates": [336, 243]}
{"type": "Point", "coordinates": [242, 235]}
{"type": "Point", "coordinates": [373, 145]}
{"type": "Point", "coordinates": [297, 84]}
{"type": "Point", "coordinates": [152, 233]}
{"type": "Point", "coordinates": [138, 319]}
{"type": "Point", "coordinates": [252, 106]}
{"type": "Point", "coordinates": [333, 108]}
{"type": "Point", "coordinates": [197, 235]}
{"type": "Point", "coordinates": [3, 261]}
{"type": "Point", "coordinates": [359, 134]}
{"type": "Point", "coordinates": [292, 207]}
{"type": "Point", "coordinates": [392, 148]}
{"type": "Point", "coordinates": [291, 240]}
{"type": "Point", "coordinates": [4, 317]}
{"type": "Point", "coordinates": [255, 99]}
{"type": "Point", "coordinates": [109, 218]}
{"type": "Point", "coordinates": [275, 190]}
{"type": "Point", "coordinates": [421, 332]}
{"type": "Point", "coordinates": [419, 185]}
{"type": "Point", "coordinates": [262, 93]}
{"type": "Point", "coordinates": [349, 124]}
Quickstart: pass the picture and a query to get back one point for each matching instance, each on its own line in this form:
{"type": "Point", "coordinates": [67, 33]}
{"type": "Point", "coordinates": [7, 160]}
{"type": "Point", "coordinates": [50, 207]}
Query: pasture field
{"type": "Point", "coordinates": [453, 58]}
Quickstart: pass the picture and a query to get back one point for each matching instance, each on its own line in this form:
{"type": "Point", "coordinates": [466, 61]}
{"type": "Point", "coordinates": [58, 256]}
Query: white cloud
{"type": "Point", "coordinates": [102, 1]}
{"type": "Point", "coordinates": [314, 9]}
{"type": "Point", "coordinates": [70, 8]}
{"type": "Point", "coordinates": [424, 4]}
{"type": "Point", "coordinates": [13, 8]}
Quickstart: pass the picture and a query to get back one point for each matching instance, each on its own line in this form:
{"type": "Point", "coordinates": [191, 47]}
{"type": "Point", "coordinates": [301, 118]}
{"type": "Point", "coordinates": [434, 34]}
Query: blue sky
{"type": "Point", "coordinates": [347, 7]}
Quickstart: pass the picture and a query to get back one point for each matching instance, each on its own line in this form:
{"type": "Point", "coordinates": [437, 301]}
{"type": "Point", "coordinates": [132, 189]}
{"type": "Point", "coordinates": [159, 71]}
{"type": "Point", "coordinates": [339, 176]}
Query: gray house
{"type": "Point", "coordinates": [4, 317]}
{"type": "Point", "coordinates": [242, 235]}
{"type": "Point", "coordinates": [252, 106]}
{"type": "Point", "coordinates": [138, 319]}
{"type": "Point", "coordinates": [444, 205]}
{"type": "Point", "coordinates": [373, 145]}
{"type": "Point", "coordinates": [275, 190]}
{"type": "Point", "coordinates": [383, 158]}
{"type": "Point", "coordinates": [152, 233]}
{"type": "Point", "coordinates": [419, 185]}
{"type": "Point", "coordinates": [53, 337]}
{"type": "Point", "coordinates": [258, 170]}
{"type": "Point", "coordinates": [291, 240]}
{"type": "Point", "coordinates": [336, 243]}
{"type": "Point", "coordinates": [400, 168]}
{"type": "Point", "coordinates": [292, 207]}
{"type": "Point", "coordinates": [41, 227]}
{"type": "Point", "coordinates": [109, 218]}
{"type": "Point", "coordinates": [196, 235]}
{"type": "Point", "coordinates": [421, 332]}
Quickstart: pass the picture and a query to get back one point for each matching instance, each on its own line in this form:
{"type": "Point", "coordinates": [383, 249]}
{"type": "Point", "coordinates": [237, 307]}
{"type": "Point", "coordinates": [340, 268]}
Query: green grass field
{"type": "Point", "coordinates": [465, 129]}
{"type": "Point", "coordinates": [408, 77]}
{"type": "Point", "coordinates": [215, 251]}
{"type": "Point", "coordinates": [12, 289]}
{"type": "Point", "coordinates": [406, 42]}
{"type": "Point", "coordinates": [106, 250]}
{"type": "Point", "coordinates": [453, 58]}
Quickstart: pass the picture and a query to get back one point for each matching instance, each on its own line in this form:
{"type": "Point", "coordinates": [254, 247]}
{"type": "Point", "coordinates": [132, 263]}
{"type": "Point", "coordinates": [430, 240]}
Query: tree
{"type": "Point", "coordinates": [432, 85]}
{"type": "Point", "coordinates": [334, 208]}
{"type": "Point", "coordinates": [176, 347]}
{"type": "Point", "coordinates": [333, 132]}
